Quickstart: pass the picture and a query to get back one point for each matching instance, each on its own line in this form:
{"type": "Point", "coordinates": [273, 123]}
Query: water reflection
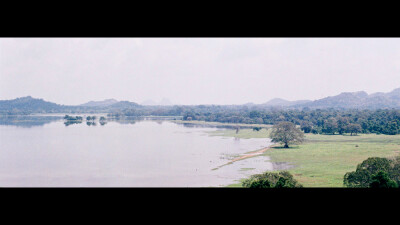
{"type": "Point", "coordinates": [118, 156]}
{"type": "Point", "coordinates": [193, 125]}
{"type": "Point", "coordinates": [124, 121]}
{"type": "Point", "coordinates": [70, 122]}
{"type": "Point", "coordinates": [27, 121]}
{"type": "Point", "coordinates": [91, 123]}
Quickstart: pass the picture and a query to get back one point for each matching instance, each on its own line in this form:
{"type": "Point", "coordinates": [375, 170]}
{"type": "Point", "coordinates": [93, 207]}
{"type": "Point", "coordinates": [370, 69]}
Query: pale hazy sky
{"type": "Point", "coordinates": [195, 70]}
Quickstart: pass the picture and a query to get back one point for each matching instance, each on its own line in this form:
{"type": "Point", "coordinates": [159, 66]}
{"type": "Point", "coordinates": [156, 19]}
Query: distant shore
{"type": "Point", "coordinates": [222, 124]}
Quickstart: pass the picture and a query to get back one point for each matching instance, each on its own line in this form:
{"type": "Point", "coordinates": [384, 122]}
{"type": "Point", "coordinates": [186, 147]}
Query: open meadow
{"type": "Point", "coordinates": [322, 160]}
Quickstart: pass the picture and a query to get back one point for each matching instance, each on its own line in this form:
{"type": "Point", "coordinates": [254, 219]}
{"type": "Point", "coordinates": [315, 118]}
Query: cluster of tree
{"type": "Point", "coordinates": [91, 118]}
{"type": "Point", "coordinates": [73, 118]}
{"type": "Point", "coordinates": [375, 172]}
{"type": "Point", "coordinates": [282, 179]}
{"type": "Point", "coordinates": [318, 121]}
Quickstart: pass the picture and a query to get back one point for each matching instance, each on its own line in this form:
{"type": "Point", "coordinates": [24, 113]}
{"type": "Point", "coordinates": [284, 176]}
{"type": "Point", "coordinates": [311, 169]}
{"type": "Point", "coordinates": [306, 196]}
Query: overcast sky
{"type": "Point", "coordinates": [73, 71]}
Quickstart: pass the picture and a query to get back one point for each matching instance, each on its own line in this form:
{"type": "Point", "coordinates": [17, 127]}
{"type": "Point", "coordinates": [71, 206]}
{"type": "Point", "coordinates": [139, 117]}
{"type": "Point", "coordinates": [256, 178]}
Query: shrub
{"type": "Point", "coordinates": [382, 180]}
{"type": "Point", "coordinates": [367, 172]}
{"type": "Point", "coordinates": [271, 180]}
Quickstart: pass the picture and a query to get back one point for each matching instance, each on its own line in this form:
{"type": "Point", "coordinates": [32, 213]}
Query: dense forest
{"type": "Point", "coordinates": [318, 121]}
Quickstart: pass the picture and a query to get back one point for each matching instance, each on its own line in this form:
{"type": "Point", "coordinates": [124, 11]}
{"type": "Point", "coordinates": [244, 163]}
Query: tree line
{"type": "Point", "coordinates": [317, 121]}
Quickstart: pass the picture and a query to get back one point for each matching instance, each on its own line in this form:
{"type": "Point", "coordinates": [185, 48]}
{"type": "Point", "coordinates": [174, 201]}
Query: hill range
{"type": "Point", "coordinates": [345, 100]}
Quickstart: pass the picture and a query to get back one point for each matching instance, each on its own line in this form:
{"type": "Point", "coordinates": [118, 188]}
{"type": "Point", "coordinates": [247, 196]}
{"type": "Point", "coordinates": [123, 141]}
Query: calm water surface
{"type": "Point", "coordinates": [134, 154]}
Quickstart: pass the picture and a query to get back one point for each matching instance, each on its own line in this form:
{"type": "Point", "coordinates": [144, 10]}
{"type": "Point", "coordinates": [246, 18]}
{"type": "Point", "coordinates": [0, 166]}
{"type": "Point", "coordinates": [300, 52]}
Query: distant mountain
{"type": "Point", "coordinates": [394, 95]}
{"type": "Point", "coordinates": [345, 100]}
{"type": "Point", "coordinates": [28, 104]}
{"type": "Point", "coordinates": [106, 102]}
{"type": "Point", "coordinates": [283, 102]}
{"type": "Point", "coordinates": [358, 99]}
{"type": "Point", "coordinates": [123, 105]}
{"type": "Point", "coordinates": [164, 101]}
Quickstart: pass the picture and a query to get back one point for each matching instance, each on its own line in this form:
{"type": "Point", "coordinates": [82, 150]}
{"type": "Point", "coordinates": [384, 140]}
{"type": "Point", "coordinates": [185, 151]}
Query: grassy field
{"type": "Point", "coordinates": [322, 160]}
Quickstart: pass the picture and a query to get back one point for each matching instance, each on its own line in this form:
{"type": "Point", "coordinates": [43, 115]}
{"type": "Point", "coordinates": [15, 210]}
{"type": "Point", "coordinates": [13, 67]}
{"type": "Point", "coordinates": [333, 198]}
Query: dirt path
{"type": "Point", "coordinates": [247, 155]}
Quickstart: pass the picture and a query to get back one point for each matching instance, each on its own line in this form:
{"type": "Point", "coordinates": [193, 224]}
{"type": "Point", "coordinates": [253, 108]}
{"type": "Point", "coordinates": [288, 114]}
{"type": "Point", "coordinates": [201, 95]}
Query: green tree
{"type": "Point", "coordinates": [363, 175]}
{"type": "Point", "coordinates": [286, 180]}
{"type": "Point", "coordinates": [286, 133]}
{"type": "Point", "coordinates": [342, 123]}
{"type": "Point", "coordinates": [306, 126]}
{"type": "Point", "coordinates": [330, 126]}
{"type": "Point", "coordinates": [382, 180]}
{"type": "Point", "coordinates": [282, 179]}
{"type": "Point", "coordinates": [262, 183]}
{"type": "Point", "coordinates": [353, 128]}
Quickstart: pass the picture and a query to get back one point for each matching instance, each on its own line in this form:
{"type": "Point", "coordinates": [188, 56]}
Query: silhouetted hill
{"type": "Point", "coordinates": [123, 105]}
{"type": "Point", "coordinates": [106, 102]}
{"type": "Point", "coordinates": [283, 102]}
{"type": "Point", "coordinates": [360, 100]}
{"type": "Point", "coordinates": [28, 104]}
{"type": "Point", "coordinates": [345, 100]}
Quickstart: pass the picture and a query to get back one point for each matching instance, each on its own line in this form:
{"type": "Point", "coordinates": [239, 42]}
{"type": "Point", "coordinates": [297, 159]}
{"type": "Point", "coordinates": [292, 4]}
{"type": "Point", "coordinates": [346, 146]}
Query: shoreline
{"type": "Point", "coordinates": [247, 155]}
{"type": "Point", "coordinates": [201, 122]}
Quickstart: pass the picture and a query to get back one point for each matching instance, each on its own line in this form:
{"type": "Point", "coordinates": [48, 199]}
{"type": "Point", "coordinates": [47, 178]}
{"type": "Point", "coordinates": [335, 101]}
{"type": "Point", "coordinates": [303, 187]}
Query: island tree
{"type": "Point", "coordinates": [286, 133]}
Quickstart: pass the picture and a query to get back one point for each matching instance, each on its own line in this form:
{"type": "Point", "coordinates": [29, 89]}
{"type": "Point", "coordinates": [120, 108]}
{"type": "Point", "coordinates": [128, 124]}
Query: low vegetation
{"type": "Point", "coordinates": [282, 179]}
{"type": "Point", "coordinates": [375, 172]}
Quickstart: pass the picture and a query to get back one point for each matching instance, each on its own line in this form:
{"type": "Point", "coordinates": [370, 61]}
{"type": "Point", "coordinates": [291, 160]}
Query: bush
{"type": "Point", "coordinates": [257, 128]}
{"type": "Point", "coordinates": [382, 180]}
{"type": "Point", "coordinates": [373, 170]}
{"type": "Point", "coordinates": [271, 180]}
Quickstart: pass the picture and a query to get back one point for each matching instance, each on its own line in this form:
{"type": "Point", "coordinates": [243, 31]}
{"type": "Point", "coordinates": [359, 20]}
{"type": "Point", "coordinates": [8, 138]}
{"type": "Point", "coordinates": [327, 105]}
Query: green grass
{"type": "Point", "coordinates": [322, 160]}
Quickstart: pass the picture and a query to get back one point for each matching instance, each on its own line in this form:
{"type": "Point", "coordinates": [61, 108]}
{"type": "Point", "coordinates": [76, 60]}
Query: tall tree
{"type": "Point", "coordinates": [286, 133]}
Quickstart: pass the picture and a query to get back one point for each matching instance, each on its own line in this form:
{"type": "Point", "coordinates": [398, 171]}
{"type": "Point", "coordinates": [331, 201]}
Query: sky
{"type": "Point", "coordinates": [191, 71]}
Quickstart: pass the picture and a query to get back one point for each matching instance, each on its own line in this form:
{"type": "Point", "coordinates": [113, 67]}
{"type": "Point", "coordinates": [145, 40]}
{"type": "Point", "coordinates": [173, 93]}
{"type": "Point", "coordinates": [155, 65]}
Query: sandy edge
{"type": "Point", "coordinates": [245, 156]}
{"type": "Point", "coordinates": [251, 154]}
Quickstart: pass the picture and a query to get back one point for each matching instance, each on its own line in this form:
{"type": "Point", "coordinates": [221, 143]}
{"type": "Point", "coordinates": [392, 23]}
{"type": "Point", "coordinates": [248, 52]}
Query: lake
{"type": "Point", "coordinates": [42, 151]}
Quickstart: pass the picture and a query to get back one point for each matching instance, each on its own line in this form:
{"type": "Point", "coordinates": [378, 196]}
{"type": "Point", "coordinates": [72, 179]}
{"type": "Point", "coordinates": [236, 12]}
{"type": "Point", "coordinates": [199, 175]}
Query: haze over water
{"type": "Point", "coordinates": [142, 154]}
